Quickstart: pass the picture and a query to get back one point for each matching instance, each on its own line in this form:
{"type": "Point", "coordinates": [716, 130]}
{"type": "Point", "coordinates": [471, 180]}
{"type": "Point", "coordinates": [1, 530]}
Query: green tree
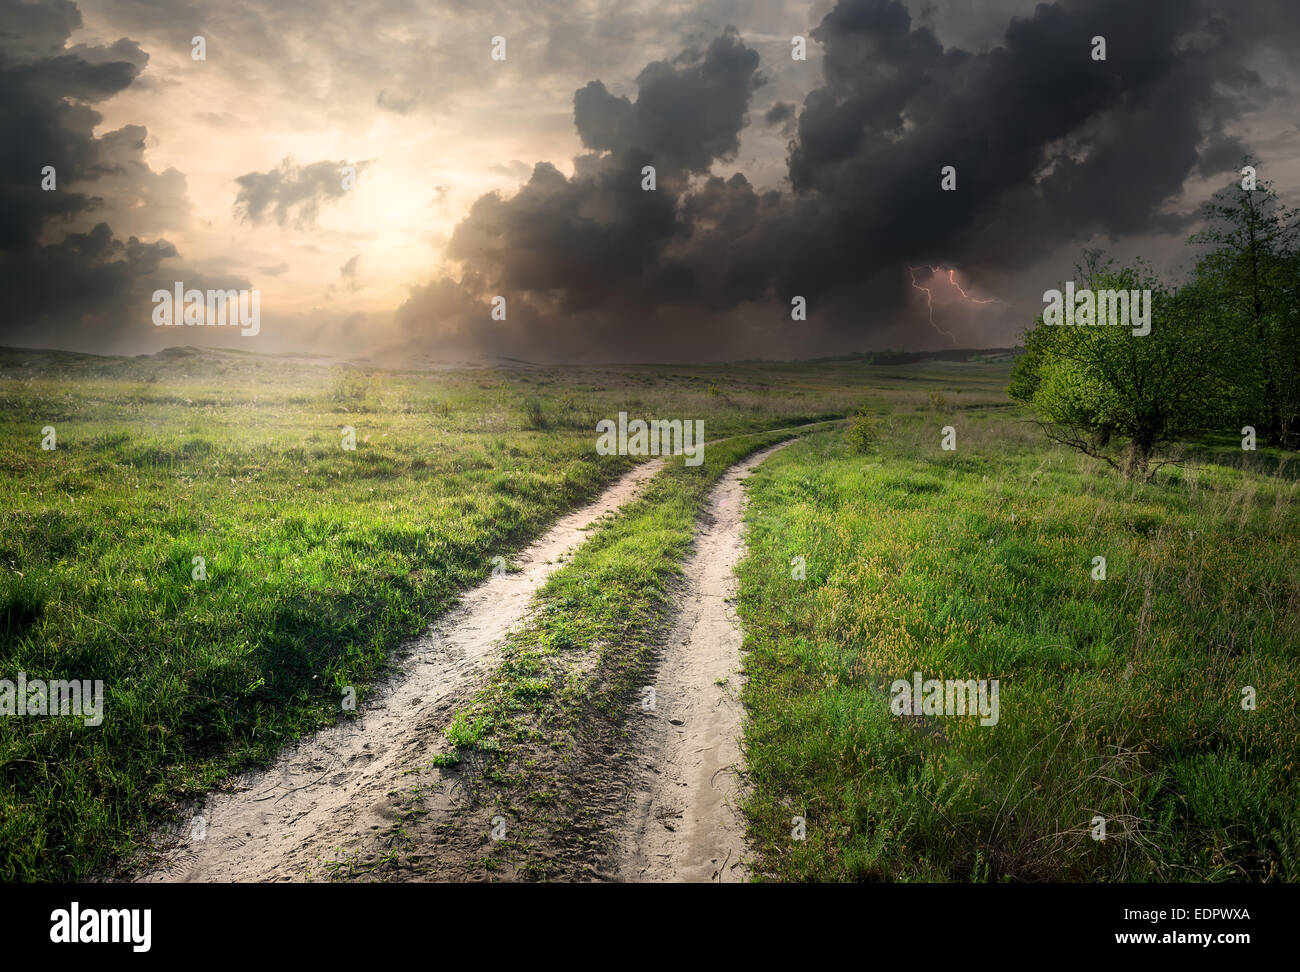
{"type": "Point", "coordinates": [1251, 277]}
{"type": "Point", "coordinates": [1287, 354]}
{"type": "Point", "coordinates": [1121, 397]}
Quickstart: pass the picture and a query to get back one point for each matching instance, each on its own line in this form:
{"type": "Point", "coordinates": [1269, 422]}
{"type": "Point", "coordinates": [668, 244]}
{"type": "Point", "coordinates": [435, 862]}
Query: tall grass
{"type": "Point", "coordinates": [1120, 699]}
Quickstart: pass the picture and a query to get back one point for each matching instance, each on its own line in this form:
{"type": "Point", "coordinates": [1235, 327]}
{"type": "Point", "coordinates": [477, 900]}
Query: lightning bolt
{"type": "Point", "coordinates": [929, 303]}
{"type": "Point", "coordinates": [929, 294]}
{"type": "Point", "coordinates": [952, 279]}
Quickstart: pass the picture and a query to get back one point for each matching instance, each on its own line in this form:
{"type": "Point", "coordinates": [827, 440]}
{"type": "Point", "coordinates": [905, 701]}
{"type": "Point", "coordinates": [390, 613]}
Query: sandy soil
{"type": "Point", "coordinates": [684, 824]}
{"type": "Point", "coordinates": [341, 787]}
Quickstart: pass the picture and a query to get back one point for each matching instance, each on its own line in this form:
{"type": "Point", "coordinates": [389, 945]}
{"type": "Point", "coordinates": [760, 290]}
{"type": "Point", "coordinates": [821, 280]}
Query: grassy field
{"type": "Point", "coordinates": [1119, 698]}
{"type": "Point", "coordinates": [319, 561]}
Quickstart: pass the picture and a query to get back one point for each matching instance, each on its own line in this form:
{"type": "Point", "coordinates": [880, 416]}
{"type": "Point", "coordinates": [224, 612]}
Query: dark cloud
{"type": "Point", "coordinates": [123, 49]}
{"type": "Point", "coordinates": [782, 115]}
{"type": "Point", "coordinates": [82, 289]}
{"type": "Point", "coordinates": [565, 251]}
{"type": "Point", "coordinates": [144, 201]}
{"type": "Point", "coordinates": [1050, 147]}
{"type": "Point", "coordinates": [65, 287]}
{"type": "Point", "coordinates": [34, 30]}
{"type": "Point", "coordinates": [593, 237]}
{"type": "Point", "coordinates": [291, 193]}
{"type": "Point", "coordinates": [46, 118]}
{"type": "Point", "coordinates": [687, 114]}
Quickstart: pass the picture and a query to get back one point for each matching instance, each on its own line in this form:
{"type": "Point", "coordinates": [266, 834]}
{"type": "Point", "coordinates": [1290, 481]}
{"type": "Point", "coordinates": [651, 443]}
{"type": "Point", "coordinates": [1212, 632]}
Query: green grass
{"type": "Point", "coordinates": [1118, 698]}
{"type": "Point", "coordinates": [319, 561]}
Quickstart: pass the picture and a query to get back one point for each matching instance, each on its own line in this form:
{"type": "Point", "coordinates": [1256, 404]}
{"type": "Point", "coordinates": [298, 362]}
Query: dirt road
{"type": "Point", "coordinates": [685, 825]}
{"type": "Point", "coordinates": [335, 790]}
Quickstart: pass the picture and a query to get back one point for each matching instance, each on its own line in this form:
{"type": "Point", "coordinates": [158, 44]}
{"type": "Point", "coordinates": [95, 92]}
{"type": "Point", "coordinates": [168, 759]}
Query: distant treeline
{"type": "Point", "coordinates": [891, 357]}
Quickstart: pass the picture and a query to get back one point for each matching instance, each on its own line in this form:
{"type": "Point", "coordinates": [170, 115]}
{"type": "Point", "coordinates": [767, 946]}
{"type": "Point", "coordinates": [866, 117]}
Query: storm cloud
{"type": "Point", "coordinates": [68, 288]}
{"type": "Point", "coordinates": [773, 179]}
{"type": "Point", "coordinates": [1050, 147]}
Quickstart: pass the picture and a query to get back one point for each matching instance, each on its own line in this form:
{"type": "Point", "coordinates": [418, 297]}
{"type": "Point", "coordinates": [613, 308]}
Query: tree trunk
{"type": "Point", "coordinates": [1138, 458]}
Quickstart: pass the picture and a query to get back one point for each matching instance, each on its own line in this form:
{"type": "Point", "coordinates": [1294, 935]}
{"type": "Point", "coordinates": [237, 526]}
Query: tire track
{"type": "Point", "coordinates": [334, 790]}
{"type": "Point", "coordinates": [685, 824]}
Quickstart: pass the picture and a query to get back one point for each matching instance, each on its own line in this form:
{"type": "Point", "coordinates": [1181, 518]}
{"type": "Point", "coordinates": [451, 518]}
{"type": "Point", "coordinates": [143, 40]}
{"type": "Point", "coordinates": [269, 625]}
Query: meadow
{"type": "Point", "coordinates": [1123, 700]}
{"type": "Point", "coordinates": [1119, 698]}
{"type": "Point", "coordinates": [317, 561]}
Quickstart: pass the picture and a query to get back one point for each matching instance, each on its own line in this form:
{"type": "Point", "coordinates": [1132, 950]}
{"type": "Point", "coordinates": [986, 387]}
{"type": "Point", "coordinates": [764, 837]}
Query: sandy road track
{"type": "Point", "coordinates": [334, 790]}
{"type": "Point", "coordinates": [685, 823]}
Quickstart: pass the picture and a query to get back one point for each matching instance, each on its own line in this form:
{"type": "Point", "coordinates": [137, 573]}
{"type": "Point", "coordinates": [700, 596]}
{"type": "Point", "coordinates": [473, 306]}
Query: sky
{"type": "Point", "coordinates": [521, 176]}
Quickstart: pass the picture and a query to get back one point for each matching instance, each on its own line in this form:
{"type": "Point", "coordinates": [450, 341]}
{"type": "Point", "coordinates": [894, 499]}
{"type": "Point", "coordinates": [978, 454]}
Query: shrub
{"type": "Point", "coordinates": [862, 432]}
{"type": "Point", "coordinates": [349, 385]}
{"type": "Point", "coordinates": [534, 415]}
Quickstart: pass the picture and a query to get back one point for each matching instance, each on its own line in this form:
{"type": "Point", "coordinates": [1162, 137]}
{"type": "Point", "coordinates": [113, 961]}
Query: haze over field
{"type": "Point", "coordinates": [522, 177]}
